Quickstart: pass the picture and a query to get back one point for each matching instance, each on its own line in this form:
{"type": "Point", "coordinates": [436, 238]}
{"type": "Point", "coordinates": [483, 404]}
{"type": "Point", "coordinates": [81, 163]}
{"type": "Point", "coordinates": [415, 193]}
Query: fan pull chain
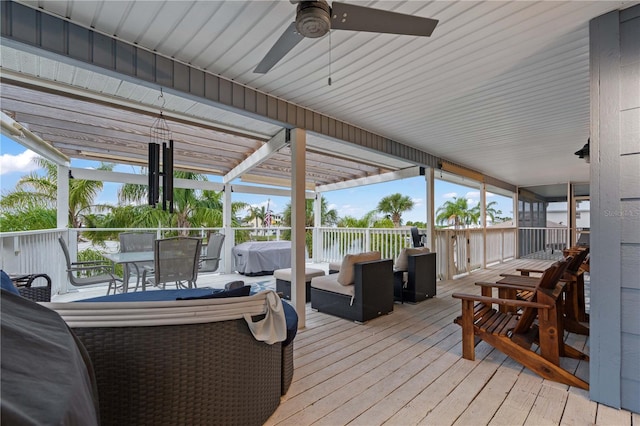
{"type": "Point", "coordinates": [329, 58]}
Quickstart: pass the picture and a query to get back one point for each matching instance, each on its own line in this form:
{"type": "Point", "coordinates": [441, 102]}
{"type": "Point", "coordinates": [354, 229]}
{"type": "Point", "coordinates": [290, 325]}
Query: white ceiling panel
{"type": "Point", "coordinates": [501, 86]}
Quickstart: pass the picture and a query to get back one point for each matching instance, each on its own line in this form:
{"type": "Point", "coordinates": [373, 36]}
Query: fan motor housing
{"type": "Point", "coordinates": [313, 18]}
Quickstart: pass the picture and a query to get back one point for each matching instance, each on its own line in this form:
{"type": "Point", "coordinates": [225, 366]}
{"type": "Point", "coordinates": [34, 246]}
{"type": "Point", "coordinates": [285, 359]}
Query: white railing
{"type": "Point", "coordinates": [335, 243]}
{"type": "Point", "coordinates": [537, 240]}
{"type": "Point", "coordinates": [459, 251]}
{"type": "Point", "coordinates": [32, 252]}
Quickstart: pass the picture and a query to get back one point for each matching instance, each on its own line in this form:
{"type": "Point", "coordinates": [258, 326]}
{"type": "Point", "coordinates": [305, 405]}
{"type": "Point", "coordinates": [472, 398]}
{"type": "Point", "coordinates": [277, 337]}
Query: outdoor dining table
{"type": "Point", "coordinates": [129, 257]}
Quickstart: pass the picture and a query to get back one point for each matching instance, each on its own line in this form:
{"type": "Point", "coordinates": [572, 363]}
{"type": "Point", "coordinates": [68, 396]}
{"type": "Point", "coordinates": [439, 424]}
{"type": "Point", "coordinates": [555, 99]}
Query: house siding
{"type": "Point", "coordinates": [615, 208]}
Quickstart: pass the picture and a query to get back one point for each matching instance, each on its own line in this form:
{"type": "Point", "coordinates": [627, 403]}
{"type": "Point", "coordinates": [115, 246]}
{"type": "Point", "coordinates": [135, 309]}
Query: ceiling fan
{"type": "Point", "coordinates": [315, 18]}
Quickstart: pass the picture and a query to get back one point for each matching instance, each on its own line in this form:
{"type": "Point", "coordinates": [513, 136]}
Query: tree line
{"type": "Point", "coordinates": [32, 205]}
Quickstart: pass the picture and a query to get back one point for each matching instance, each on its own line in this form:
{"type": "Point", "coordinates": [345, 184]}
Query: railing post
{"type": "Point", "coordinates": [450, 255]}
{"type": "Point", "coordinates": [367, 239]}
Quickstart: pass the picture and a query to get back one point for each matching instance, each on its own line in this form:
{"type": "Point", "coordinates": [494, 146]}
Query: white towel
{"type": "Point", "coordinates": [273, 327]}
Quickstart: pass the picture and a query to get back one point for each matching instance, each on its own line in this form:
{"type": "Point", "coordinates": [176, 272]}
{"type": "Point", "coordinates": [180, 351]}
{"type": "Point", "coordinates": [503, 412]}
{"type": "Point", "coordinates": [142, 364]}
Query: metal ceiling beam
{"type": "Point", "coordinates": [260, 155]}
{"type": "Point", "coordinates": [16, 131]}
{"type": "Point", "coordinates": [384, 177]}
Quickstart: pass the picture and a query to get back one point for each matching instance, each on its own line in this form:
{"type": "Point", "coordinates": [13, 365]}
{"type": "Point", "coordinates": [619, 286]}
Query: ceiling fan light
{"type": "Point", "coordinates": [313, 19]}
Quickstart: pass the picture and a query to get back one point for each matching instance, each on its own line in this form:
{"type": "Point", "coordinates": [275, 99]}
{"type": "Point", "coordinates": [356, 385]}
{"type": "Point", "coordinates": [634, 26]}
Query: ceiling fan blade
{"type": "Point", "coordinates": [285, 43]}
{"type": "Point", "coordinates": [359, 18]}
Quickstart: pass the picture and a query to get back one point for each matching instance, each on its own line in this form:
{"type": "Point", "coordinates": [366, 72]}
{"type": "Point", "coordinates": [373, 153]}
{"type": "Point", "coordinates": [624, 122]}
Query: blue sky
{"type": "Point", "coordinates": [16, 161]}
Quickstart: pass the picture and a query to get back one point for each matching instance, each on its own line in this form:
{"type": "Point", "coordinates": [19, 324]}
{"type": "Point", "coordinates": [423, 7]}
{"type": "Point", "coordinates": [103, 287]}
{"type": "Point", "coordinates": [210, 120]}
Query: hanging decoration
{"type": "Point", "coordinates": [161, 140]}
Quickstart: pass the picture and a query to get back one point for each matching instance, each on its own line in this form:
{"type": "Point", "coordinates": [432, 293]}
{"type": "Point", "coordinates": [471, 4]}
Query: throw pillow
{"type": "Point", "coordinates": [7, 284]}
{"type": "Point", "coordinates": [236, 292]}
{"type": "Point", "coordinates": [402, 262]}
{"type": "Point", "coordinates": [346, 276]}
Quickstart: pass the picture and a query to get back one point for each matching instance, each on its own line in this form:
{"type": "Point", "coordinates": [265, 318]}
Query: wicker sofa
{"type": "Point", "coordinates": [361, 291]}
{"type": "Point", "coordinates": [182, 361]}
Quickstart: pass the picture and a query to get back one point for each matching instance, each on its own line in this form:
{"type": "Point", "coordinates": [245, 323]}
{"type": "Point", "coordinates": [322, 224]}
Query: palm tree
{"type": "Point", "coordinates": [40, 192]}
{"type": "Point", "coordinates": [257, 213]}
{"type": "Point", "coordinates": [456, 211]}
{"type": "Point", "coordinates": [192, 208]}
{"type": "Point", "coordinates": [474, 213]}
{"type": "Point", "coordinates": [367, 221]}
{"type": "Point", "coordinates": [491, 211]}
{"type": "Point", "coordinates": [328, 217]}
{"type": "Point", "coordinates": [394, 205]}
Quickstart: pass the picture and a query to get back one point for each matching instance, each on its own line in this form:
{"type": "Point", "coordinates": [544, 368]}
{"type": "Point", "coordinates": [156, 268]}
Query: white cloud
{"type": "Point", "coordinates": [473, 195]}
{"type": "Point", "coordinates": [23, 162]}
{"type": "Point", "coordinates": [450, 195]}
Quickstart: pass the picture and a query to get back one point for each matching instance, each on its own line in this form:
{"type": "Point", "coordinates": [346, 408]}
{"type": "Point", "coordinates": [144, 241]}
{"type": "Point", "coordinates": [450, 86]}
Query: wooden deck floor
{"type": "Point", "coordinates": [406, 368]}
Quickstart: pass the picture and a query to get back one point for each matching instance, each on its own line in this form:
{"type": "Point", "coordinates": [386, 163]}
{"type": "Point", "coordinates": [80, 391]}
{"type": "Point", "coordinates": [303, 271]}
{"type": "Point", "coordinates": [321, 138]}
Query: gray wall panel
{"type": "Point", "coordinates": [630, 389]}
{"type": "Point", "coordinates": [629, 48]}
{"type": "Point", "coordinates": [125, 58]}
{"type": "Point", "coordinates": [630, 128]}
{"type": "Point", "coordinates": [23, 23]}
{"type": "Point", "coordinates": [52, 34]}
{"type": "Point", "coordinates": [630, 352]}
{"type": "Point", "coordinates": [181, 77]}
{"type": "Point", "coordinates": [103, 51]}
{"type": "Point", "coordinates": [145, 65]}
{"type": "Point", "coordinates": [196, 78]}
{"type": "Point", "coordinates": [164, 71]}
{"type": "Point", "coordinates": [630, 273]}
{"type": "Point", "coordinates": [605, 333]}
{"type": "Point", "coordinates": [79, 46]}
{"type": "Point", "coordinates": [615, 210]}
{"type": "Point", "coordinates": [629, 309]}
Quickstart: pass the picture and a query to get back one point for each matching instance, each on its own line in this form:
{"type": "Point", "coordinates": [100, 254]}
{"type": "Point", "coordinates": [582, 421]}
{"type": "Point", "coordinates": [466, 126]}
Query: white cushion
{"type": "Point", "coordinates": [402, 262]}
{"type": "Point", "coordinates": [330, 283]}
{"type": "Point", "coordinates": [285, 274]}
{"type": "Point", "coordinates": [346, 276]}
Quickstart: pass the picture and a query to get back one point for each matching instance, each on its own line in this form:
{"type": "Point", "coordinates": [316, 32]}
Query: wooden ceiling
{"type": "Point", "coordinates": [96, 130]}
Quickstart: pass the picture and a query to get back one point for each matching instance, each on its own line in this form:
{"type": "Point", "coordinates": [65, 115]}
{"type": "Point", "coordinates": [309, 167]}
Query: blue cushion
{"type": "Point", "coordinates": [236, 292]}
{"type": "Point", "coordinates": [151, 296]}
{"type": "Point", "coordinates": [291, 316]}
{"type": "Point", "coordinates": [7, 284]}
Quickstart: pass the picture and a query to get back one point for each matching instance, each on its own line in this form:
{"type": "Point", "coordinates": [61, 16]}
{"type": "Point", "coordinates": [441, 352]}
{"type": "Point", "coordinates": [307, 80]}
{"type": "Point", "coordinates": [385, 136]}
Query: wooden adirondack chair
{"type": "Point", "coordinates": [539, 321]}
{"type": "Point", "coordinates": [576, 317]}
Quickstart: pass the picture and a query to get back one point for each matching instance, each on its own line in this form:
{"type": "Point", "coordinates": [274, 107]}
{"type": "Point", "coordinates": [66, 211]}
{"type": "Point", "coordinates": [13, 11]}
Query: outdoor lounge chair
{"type": "Point", "coordinates": [102, 270]}
{"type": "Point", "coordinates": [414, 275]}
{"type": "Point", "coordinates": [576, 318]}
{"type": "Point", "coordinates": [361, 291]}
{"type": "Point", "coordinates": [416, 237]}
{"type": "Point", "coordinates": [538, 321]}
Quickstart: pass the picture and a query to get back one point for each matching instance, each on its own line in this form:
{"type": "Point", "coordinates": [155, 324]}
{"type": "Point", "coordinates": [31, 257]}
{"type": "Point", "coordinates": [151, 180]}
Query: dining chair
{"type": "Point", "coordinates": [175, 260]}
{"type": "Point", "coordinates": [97, 272]}
{"type": "Point", "coordinates": [136, 242]}
{"type": "Point", "coordinates": [211, 259]}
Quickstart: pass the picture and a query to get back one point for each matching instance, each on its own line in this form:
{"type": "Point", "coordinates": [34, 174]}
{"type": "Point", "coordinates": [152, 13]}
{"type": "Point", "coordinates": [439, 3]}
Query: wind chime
{"type": "Point", "coordinates": [160, 137]}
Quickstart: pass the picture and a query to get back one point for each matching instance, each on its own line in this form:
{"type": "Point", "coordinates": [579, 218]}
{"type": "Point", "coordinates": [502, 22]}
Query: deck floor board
{"type": "Point", "coordinates": [406, 368]}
